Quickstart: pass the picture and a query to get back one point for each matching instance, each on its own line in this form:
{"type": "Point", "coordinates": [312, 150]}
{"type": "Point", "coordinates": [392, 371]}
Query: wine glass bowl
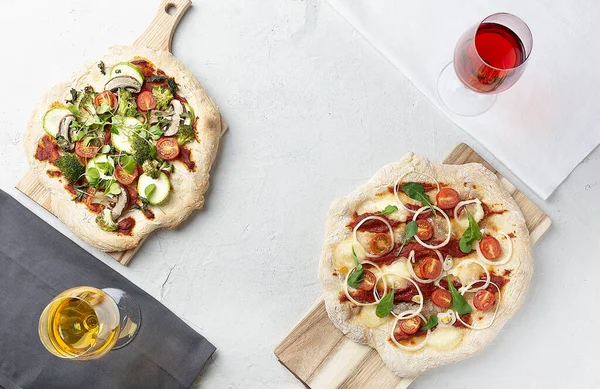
{"type": "Point", "coordinates": [85, 323]}
{"type": "Point", "coordinates": [489, 58]}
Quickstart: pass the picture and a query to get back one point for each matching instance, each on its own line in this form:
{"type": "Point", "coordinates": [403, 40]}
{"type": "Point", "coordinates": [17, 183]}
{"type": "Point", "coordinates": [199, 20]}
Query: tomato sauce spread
{"type": "Point", "coordinates": [126, 226]}
{"type": "Point", "coordinates": [53, 173]}
{"type": "Point", "coordinates": [185, 156]}
{"type": "Point", "coordinates": [149, 214]}
{"type": "Point", "coordinates": [372, 225]}
{"type": "Point", "coordinates": [47, 150]}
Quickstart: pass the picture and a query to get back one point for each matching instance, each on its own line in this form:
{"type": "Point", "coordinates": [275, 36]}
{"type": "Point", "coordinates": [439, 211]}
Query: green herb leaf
{"type": "Point", "coordinates": [459, 304]}
{"type": "Point", "coordinates": [103, 166]}
{"type": "Point", "coordinates": [78, 136]}
{"type": "Point", "coordinates": [358, 276]}
{"type": "Point", "coordinates": [102, 68]}
{"type": "Point", "coordinates": [155, 132]}
{"type": "Point", "coordinates": [73, 98]}
{"type": "Point", "coordinates": [149, 190]}
{"type": "Point", "coordinates": [93, 176]}
{"type": "Point", "coordinates": [471, 234]}
{"type": "Point", "coordinates": [128, 164]}
{"type": "Point", "coordinates": [385, 305]}
{"type": "Point", "coordinates": [417, 192]}
{"type": "Point", "coordinates": [389, 210]}
{"type": "Point", "coordinates": [104, 108]}
{"type": "Point", "coordinates": [431, 322]}
{"type": "Point", "coordinates": [114, 188]}
{"type": "Point", "coordinates": [410, 230]}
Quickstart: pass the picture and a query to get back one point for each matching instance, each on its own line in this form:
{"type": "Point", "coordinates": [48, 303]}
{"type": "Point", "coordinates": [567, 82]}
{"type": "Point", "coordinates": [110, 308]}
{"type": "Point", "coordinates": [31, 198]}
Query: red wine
{"type": "Point", "coordinates": [489, 62]}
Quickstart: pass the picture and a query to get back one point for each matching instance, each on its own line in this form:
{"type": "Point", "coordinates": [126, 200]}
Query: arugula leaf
{"type": "Point", "coordinates": [431, 322]}
{"type": "Point", "coordinates": [471, 234]}
{"type": "Point", "coordinates": [385, 305]}
{"type": "Point", "coordinates": [417, 192]}
{"type": "Point", "coordinates": [149, 190]}
{"type": "Point", "coordinates": [459, 304]}
{"type": "Point", "coordinates": [410, 230]}
{"type": "Point", "coordinates": [389, 210]}
{"type": "Point", "coordinates": [358, 276]}
{"type": "Point", "coordinates": [128, 164]}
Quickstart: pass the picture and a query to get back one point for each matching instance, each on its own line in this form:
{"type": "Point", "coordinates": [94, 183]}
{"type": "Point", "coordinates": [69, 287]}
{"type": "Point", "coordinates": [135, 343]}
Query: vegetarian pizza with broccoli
{"type": "Point", "coordinates": [125, 146]}
{"type": "Point", "coordinates": [425, 263]}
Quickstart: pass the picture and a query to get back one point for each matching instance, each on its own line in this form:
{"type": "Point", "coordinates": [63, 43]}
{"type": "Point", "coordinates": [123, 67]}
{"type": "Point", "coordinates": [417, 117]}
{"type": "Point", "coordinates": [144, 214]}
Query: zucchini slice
{"type": "Point", "coordinates": [127, 69]}
{"type": "Point", "coordinates": [121, 141]}
{"type": "Point", "coordinates": [162, 188]}
{"type": "Point", "coordinates": [52, 118]}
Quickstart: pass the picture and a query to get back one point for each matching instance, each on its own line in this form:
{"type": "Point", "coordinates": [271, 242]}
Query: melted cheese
{"type": "Point", "coordinates": [342, 255]}
{"type": "Point", "coordinates": [398, 267]}
{"type": "Point", "coordinates": [445, 338]}
{"type": "Point", "coordinates": [462, 223]}
{"type": "Point", "coordinates": [369, 318]}
{"type": "Point", "coordinates": [378, 204]}
{"type": "Point", "coordinates": [467, 273]}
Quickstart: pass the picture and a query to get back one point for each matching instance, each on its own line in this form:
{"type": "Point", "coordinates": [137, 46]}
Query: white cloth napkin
{"type": "Point", "coordinates": [542, 127]}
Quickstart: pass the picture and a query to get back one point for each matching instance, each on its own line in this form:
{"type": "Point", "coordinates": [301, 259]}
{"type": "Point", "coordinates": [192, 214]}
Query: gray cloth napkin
{"type": "Point", "coordinates": [36, 264]}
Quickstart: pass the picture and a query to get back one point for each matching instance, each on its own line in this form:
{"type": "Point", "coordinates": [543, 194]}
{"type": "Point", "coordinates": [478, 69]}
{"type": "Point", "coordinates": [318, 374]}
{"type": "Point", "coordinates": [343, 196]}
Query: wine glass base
{"type": "Point", "coordinates": [458, 98]}
{"type": "Point", "coordinates": [131, 316]}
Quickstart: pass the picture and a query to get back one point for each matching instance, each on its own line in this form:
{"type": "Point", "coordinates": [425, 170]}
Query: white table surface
{"type": "Point", "coordinates": [313, 112]}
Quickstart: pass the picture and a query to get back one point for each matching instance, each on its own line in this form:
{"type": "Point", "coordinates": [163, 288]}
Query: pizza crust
{"type": "Point", "coordinates": [188, 187]}
{"type": "Point", "coordinates": [488, 189]}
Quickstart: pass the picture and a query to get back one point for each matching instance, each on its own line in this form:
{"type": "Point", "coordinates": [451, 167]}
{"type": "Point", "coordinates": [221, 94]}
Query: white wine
{"type": "Point", "coordinates": [81, 323]}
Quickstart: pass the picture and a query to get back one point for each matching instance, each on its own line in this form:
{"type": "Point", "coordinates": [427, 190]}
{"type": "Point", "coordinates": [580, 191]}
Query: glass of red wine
{"type": "Point", "coordinates": [489, 58]}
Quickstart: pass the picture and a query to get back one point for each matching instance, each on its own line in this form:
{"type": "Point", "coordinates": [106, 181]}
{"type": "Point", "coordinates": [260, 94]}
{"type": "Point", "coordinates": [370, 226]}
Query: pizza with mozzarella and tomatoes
{"type": "Point", "coordinates": [425, 263]}
{"type": "Point", "coordinates": [125, 146]}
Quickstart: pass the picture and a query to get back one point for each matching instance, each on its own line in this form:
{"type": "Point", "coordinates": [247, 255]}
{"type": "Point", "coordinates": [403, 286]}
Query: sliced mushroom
{"type": "Point", "coordinates": [65, 132]}
{"type": "Point", "coordinates": [173, 127]}
{"type": "Point", "coordinates": [123, 82]}
{"type": "Point", "coordinates": [120, 205]}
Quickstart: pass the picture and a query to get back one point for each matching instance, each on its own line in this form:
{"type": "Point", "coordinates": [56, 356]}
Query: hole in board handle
{"type": "Point", "coordinates": [171, 9]}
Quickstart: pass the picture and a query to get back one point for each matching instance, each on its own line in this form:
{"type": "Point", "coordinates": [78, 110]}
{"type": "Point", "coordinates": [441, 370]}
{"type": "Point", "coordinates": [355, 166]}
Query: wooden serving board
{"type": "Point", "coordinates": [158, 36]}
{"type": "Point", "coordinates": [320, 356]}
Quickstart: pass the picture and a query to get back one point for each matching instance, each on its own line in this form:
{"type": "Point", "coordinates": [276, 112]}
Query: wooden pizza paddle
{"type": "Point", "coordinates": [320, 356]}
{"type": "Point", "coordinates": [158, 36]}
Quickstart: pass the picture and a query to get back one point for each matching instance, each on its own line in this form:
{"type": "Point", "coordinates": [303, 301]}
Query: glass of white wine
{"type": "Point", "coordinates": [85, 323]}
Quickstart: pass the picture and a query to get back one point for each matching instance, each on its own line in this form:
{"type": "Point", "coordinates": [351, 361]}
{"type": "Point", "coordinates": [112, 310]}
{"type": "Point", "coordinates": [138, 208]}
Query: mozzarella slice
{"type": "Point", "coordinates": [445, 338]}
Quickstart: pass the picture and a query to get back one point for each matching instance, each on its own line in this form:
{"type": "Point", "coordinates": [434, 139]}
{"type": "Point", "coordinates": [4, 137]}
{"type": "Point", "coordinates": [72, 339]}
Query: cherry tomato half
{"type": "Point", "coordinates": [430, 268]}
{"type": "Point", "coordinates": [410, 326]}
{"type": "Point", "coordinates": [125, 178]}
{"type": "Point", "coordinates": [88, 151]}
{"type": "Point", "coordinates": [447, 198]}
{"type": "Point", "coordinates": [425, 229]}
{"type": "Point", "coordinates": [106, 97]}
{"type": "Point", "coordinates": [484, 300]}
{"type": "Point", "coordinates": [442, 298]}
{"type": "Point", "coordinates": [490, 248]}
{"type": "Point", "coordinates": [368, 282]}
{"type": "Point", "coordinates": [167, 148]}
{"type": "Point", "coordinates": [380, 243]}
{"type": "Point", "coordinates": [146, 101]}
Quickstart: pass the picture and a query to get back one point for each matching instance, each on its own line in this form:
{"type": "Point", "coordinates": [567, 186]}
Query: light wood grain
{"type": "Point", "coordinates": [320, 356]}
{"type": "Point", "coordinates": [158, 36]}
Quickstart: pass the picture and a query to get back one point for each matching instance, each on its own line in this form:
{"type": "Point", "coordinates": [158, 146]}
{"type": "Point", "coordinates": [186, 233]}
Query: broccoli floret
{"type": "Point", "coordinates": [163, 97]}
{"type": "Point", "coordinates": [127, 105]}
{"type": "Point", "coordinates": [70, 167]}
{"type": "Point", "coordinates": [142, 151]}
{"type": "Point", "coordinates": [151, 168]}
{"type": "Point", "coordinates": [186, 134]}
{"type": "Point", "coordinates": [105, 221]}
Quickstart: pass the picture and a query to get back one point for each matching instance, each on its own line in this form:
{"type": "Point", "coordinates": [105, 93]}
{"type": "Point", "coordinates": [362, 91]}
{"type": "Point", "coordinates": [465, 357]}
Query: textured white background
{"type": "Point", "coordinates": [314, 111]}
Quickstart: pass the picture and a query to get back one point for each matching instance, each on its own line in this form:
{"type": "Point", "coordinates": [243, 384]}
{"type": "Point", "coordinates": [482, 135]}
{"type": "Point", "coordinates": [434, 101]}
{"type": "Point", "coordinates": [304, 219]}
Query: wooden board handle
{"type": "Point", "coordinates": [159, 34]}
